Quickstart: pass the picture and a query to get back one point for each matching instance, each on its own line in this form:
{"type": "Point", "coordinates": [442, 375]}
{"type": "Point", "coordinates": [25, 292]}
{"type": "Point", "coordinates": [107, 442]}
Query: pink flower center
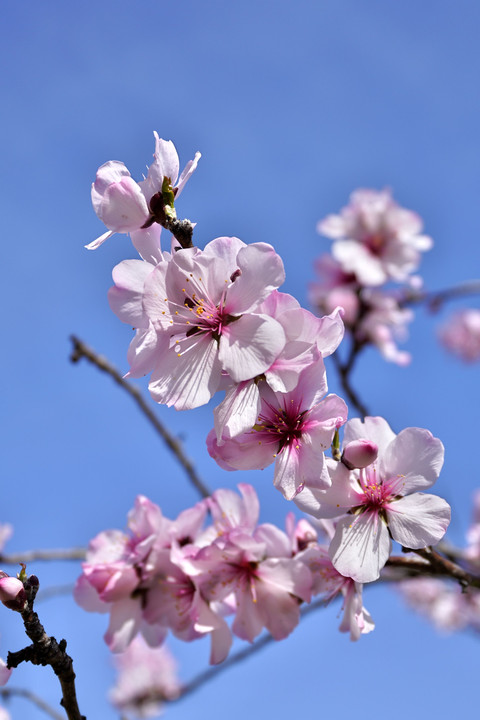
{"type": "Point", "coordinates": [195, 314]}
{"type": "Point", "coordinates": [378, 493]}
{"type": "Point", "coordinates": [281, 427]}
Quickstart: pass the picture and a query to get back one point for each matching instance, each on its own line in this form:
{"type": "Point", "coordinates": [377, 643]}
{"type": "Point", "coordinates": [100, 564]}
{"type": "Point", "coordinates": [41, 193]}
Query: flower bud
{"type": "Point", "coordinates": [359, 454]}
{"type": "Point", "coordinates": [12, 593]}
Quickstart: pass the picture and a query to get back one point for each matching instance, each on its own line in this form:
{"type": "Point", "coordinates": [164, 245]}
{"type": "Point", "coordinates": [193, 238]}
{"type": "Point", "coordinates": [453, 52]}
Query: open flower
{"type": "Point", "coordinates": [293, 429]}
{"type": "Point", "coordinates": [375, 238]}
{"type": "Point", "coordinates": [206, 304]}
{"type": "Point", "coordinates": [381, 500]}
{"type": "Point", "coordinates": [461, 334]}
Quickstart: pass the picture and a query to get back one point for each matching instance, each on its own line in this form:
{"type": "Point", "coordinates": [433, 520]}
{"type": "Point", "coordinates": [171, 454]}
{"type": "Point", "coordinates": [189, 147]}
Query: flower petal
{"type": "Point", "coordinates": [360, 547]}
{"type": "Point", "coordinates": [418, 520]}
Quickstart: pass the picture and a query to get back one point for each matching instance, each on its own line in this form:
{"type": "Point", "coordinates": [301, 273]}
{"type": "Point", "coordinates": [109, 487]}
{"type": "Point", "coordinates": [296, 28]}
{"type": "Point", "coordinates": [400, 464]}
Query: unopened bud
{"type": "Point", "coordinates": [359, 454]}
{"type": "Point", "coordinates": [12, 593]}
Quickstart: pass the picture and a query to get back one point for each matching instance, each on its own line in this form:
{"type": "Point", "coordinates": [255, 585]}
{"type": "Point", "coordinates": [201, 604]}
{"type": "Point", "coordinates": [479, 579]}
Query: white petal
{"type": "Point", "coordinates": [418, 520]}
{"type": "Point", "coordinates": [360, 547]}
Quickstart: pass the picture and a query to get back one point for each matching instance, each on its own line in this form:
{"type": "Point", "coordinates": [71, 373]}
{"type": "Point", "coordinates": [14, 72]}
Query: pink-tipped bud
{"type": "Point", "coordinates": [12, 593]}
{"type": "Point", "coordinates": [359, 454]}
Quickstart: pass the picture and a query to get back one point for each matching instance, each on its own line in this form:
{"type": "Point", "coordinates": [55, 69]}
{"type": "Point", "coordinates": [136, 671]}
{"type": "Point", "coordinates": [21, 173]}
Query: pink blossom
{"type": "Point", "coordinates": [335, 288]}
{"type": "Point", "coordinates": [305, 336]}
{"type": "Point", "coordinates": [381, 500]}
{"type": "Point", "coordinates": [146, 678]}
{"type": "Point", "coordinates": [373, 316]}
{"type": "Point", "coordinates": [6, 531]}
{"type": "Point", "coordinates": [126, 206]}
{"type": "Point", "coordinates": [4, 678]}
{"type": "Point", "coordinates": [206, 303]}
{"type": "Point", "coordinates": [292, 430]}
{"type": "Point", "coordinates": [327, 581]}
{"type": "Point", "coordinates": [266, 582]}
{"type": "Point", "coordinates": [383, 323]}
{"type": "Point", "coordinates": [461, 335]}
{"type": "Point", "coordinates": [447, 606]}
{"type": "Point", "coordinates": [375, 238]}
{"type": "Point", "coordinates": [472, 551]}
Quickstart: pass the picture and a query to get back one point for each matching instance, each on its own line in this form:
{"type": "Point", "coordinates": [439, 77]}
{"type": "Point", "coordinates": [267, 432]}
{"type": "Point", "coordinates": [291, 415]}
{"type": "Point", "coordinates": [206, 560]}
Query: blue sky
{"type": "Point", "coordinates": [293, 105]}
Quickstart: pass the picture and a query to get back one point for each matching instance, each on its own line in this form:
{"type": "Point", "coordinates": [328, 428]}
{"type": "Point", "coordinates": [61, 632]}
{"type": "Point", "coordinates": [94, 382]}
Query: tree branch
{"type": "Point", "coordinates": [32, 555]}
{"type": "Point", "coordinates": [7, 693]}
{"type": "Point", "coordinates": [432, 564]}
{"type": "Point", "coordinates": [81, 350]}
{"type": "Point", "coordinates": [435, 299]}
{"type": "Point", "coordinates": [344, 370]}
{"type": "Point", "coordinates": [45, 650]}
{"type": "Point", "coordinates": [236, 658]}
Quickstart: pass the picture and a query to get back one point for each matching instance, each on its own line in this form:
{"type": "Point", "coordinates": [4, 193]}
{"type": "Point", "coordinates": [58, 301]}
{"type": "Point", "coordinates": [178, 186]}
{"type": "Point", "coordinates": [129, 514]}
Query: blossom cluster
{"type": "Point", "coordinates": [375, 242]}
{"type": "Point", "coordinates": [180, 576]}
{"type": "Point", "coordinates": [214, 319]}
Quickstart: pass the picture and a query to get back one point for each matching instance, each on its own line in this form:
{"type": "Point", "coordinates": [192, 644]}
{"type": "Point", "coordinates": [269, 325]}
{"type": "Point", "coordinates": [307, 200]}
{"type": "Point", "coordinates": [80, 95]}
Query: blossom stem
{"type": "Point", "coordinates": [81, 350]}
{"type": "Point", "coordinates": [344, 370]}
{"type": "Point", "coordinates": [182, 230]}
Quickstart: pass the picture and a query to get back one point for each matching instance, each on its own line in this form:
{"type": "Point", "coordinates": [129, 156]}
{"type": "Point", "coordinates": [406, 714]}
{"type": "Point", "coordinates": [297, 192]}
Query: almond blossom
{"type": "Point", "coordinates": [305, 336]}
{"type": "Point", "coordinates": [461, 334]}
{"type": "Point", "coordinates": [381, 500]}
{"type": "Point", "coordinates": [126, 206]}
{"type": "Point", "coordinates": [375, 238]}
{"type": "Point", "coordinates": [326, 580]}
{"type": "Point", "coordinates": [292, 429]}
{"type": "Point", "coordinates": [146, 677]}
{"type": "Point", "coordinates": [448, 606]}
{"type": "Point", "coordinates": [205, 307]}
{"type": "Point", "coordinates": [175, 575]}
{"type": "Point", "coordinates": [383, 322]}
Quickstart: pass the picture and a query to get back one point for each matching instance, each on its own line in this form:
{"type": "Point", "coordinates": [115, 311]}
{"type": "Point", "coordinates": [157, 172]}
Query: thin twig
{"type": "Point", "coordinates": [81, 350]}
{"type": "Point", "coordinates": [431, 564]}
{"type": "Point", "coordinates": [435, 299]}
{"type": "Point", "coordinates": [237, 657]}
{"type": "Point", "coordinates": [344, 375]}
{"type": "Point", "coordinates": [54, 591]}
{"type": "Point", "coordinates": [7, 693]}
{"type": "Point", "coordinates": [33, 555]}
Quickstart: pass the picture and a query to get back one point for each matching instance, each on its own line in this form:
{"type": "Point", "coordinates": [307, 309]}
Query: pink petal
{"type": "Point", "coordinates": [418, 520]}
{"type": "Point", "coordinates": [249, 345]}
{"type": "Point", "coordinates": [189, 380]}
{"type": "Point", "coordinates": [100, 240]}
{"type": "Point", "coordinates": [125, 620]}
{"type": "Point", "coordinates": [416, 454]}
{"type": "Point", "coordinates": [238, 412]}
{"type": "Point", "coordinates": [261, 272]}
